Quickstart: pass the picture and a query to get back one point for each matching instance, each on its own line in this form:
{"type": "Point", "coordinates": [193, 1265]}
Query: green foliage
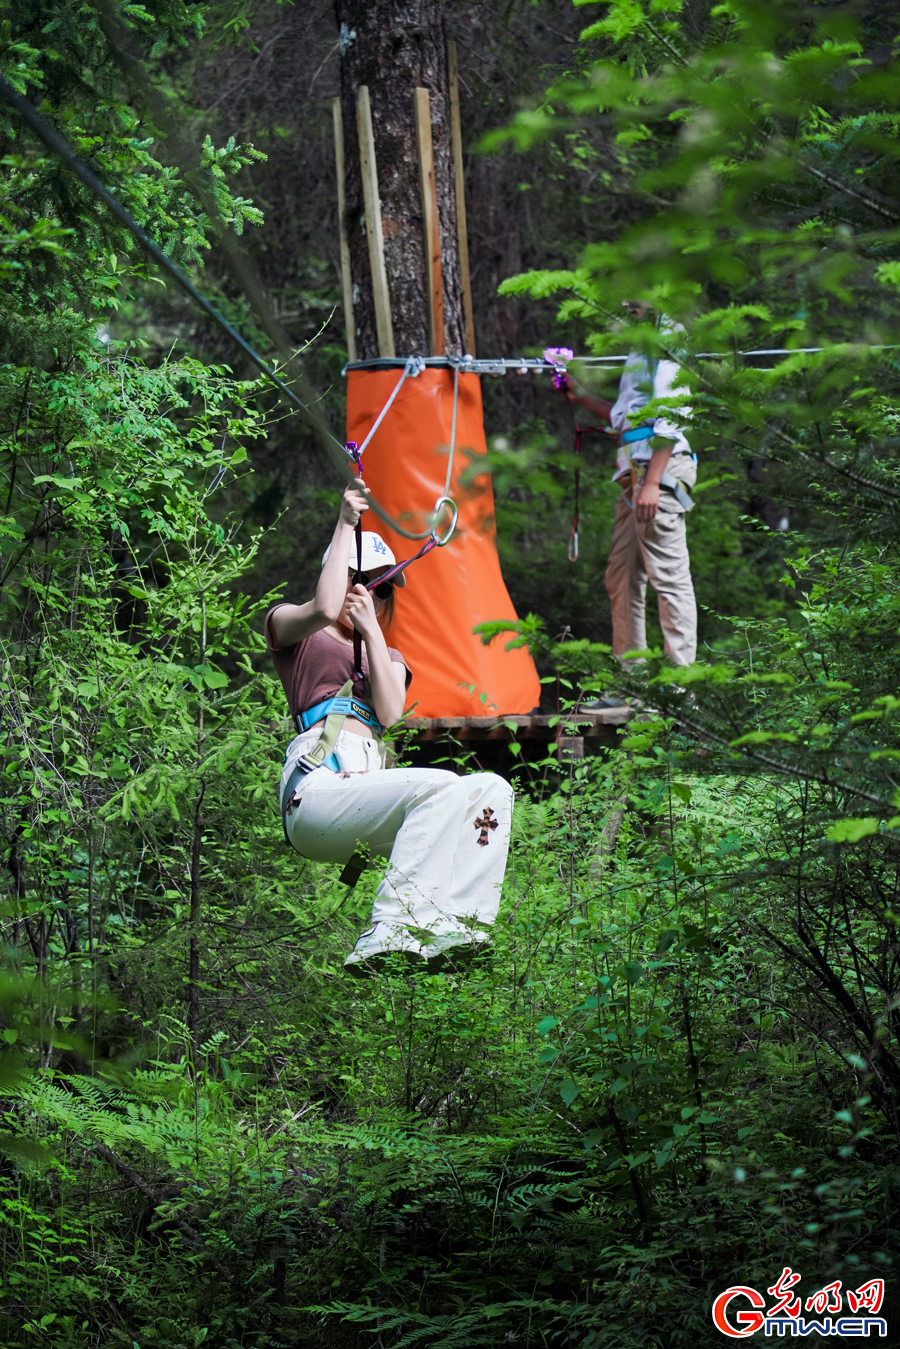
{"type": "Point", "coordinates": [61, 57]}
{"type": "Point", "coordinates": [762, 142]}
{"type": "Point", "coordinates": [569, 1137]}
{"type": "Point", "coordinates": [678, 1068]}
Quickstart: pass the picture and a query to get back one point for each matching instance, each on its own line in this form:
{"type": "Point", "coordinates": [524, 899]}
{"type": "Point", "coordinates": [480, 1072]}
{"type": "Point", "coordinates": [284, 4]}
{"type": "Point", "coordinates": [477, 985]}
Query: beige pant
{"type": "Point", "coordinates": [655, 552]}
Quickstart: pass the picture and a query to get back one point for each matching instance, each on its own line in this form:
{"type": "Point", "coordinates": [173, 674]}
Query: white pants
{"type": "Point", "coordinates": [655, 551]}
{"type": "Point", "coordinates": [447, 837]}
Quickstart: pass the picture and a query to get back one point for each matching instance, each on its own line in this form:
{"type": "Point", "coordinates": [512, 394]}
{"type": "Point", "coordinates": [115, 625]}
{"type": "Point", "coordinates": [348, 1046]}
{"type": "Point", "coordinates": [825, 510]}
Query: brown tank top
{"type": "Point", "coordinates": [320, 665]}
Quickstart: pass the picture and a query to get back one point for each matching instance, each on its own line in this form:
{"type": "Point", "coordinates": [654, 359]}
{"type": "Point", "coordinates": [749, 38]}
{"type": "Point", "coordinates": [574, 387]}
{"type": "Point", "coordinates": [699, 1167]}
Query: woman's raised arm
{"type": "Point", "coordinates": [290, 623]}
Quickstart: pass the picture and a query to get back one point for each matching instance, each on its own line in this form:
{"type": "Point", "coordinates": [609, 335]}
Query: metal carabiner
{"type": "Point", "coordinates": [445, 501]}
{"type": "Point", "coordinates": [352, 451]}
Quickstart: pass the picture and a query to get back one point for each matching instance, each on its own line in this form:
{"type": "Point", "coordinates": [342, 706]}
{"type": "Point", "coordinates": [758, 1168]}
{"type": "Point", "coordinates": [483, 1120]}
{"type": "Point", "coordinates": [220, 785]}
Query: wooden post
{"type": "Point", "coordinates": [399, 46]}
{"type": "Point", "coordinates": [460, 194]}
{"type": "Point", "coordinates": [431, 222]}
{"type": "Point", "coordinates": [369, 170]}
{"type": "Point", "coordinates": [346, 281]}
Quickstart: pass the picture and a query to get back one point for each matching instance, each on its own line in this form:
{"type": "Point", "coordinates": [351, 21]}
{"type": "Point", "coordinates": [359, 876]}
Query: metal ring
{"type": "Point", "coordinates": [445, 501]}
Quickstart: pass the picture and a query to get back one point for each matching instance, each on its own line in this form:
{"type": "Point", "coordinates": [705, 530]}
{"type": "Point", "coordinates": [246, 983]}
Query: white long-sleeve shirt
{"type": "Point", "coordinates": [640, 383]}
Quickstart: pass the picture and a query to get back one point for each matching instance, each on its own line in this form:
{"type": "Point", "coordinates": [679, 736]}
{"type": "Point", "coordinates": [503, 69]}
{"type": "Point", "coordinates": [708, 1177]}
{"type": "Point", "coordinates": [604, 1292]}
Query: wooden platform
{"type": "Point", "coordinates": [569, 728]}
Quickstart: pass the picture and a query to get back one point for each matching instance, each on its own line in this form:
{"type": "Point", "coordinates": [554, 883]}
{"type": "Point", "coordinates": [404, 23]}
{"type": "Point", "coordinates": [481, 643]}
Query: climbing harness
{"type": "Point", "coordinates": [341, 702]}
{"type": "Point", "coordinates": [335, 712]}
{"type": "Point", "coordinates": [667, 480]}
{"type": "Point", "coordinates": [624, 438]}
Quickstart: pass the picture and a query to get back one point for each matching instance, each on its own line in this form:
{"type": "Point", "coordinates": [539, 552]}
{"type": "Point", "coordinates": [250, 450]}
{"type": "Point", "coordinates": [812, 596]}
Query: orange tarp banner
{"type": "Point", "coordinates": [451, 589]}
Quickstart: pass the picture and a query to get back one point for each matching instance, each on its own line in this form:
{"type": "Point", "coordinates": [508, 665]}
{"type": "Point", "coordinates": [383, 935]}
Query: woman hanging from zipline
{"type": "Point", "coordinates": [447, 837]}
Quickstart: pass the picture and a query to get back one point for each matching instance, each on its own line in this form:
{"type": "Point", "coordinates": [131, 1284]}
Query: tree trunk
{"type": "Point", "coordinates": [393, 47]}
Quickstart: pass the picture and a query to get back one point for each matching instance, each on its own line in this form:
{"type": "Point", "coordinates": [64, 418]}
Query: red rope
{"type": "Point", "coordinates": [573, 536]}
{"type": "Point", "coordinates": [356, 455]}
{"type": "Point", "coordinates": [561, 382]}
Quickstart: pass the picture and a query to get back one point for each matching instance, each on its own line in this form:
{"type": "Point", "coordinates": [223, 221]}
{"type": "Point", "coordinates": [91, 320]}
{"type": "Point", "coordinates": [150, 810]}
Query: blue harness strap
{"type": "Point", "coordinates": [333, 711]}
{"type": "Point", "coordinates": [350, 707]}
{"type": "Point", "coordinates": [637, 433]}
{"type": "Point", "coordinates": [643, 433]}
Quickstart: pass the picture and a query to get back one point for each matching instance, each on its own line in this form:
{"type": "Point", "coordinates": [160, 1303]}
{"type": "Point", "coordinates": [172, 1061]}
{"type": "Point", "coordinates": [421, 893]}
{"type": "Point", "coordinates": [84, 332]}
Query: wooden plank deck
{"type": "Point", "coordinates": [592, 724]}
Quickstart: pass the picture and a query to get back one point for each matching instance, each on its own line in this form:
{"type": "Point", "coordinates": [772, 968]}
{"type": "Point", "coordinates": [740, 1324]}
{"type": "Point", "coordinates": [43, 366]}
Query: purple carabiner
{"type": "Point", "coordinates": [558, 358]}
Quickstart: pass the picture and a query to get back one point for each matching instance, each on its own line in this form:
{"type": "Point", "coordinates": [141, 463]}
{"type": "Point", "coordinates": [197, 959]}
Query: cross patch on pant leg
{"type": "Point", "coordinates": [485, 823]}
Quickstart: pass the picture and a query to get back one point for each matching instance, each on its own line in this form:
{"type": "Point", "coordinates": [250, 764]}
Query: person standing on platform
{"type": "Point", "coordinates": [655, 468]}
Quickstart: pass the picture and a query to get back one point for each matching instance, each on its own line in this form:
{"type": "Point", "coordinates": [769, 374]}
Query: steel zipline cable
{"type": "Point", "coordinates": [60, 147]}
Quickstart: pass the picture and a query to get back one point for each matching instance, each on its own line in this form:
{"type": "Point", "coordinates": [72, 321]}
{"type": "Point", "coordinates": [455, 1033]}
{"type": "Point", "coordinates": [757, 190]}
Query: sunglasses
{"type": "Point", "coordinates": [382, 591]}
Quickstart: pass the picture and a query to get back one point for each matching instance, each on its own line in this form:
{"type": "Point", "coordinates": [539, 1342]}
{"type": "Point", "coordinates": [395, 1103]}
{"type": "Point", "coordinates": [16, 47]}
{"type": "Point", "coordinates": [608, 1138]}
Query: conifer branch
{"type": "Point", "coordinates": [840, 186]}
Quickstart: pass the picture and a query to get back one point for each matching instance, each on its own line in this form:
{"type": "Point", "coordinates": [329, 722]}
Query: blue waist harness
{"type": "Point", "coordinates": [643, 433]}
{"type": "Point", "coordinates": [337, 708]}
{"type": "Point", "coordinates": [673, 485]}
{"type": "Point", "coordinates": [350, 707]}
